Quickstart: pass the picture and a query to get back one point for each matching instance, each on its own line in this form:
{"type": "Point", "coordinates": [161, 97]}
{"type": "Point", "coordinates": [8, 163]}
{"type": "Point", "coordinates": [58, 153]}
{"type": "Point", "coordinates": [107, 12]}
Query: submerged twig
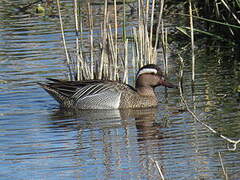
{"type": "Point", "coordinates": [159, 169]}
{"type": "Point", "coordinates": [221, 162]}
{"type": "Point", "coordinates": [197, 119]}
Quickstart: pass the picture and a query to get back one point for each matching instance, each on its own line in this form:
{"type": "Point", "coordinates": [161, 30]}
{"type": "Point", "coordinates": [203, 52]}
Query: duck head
{"type": "Point", "coordinates": [151, 75]}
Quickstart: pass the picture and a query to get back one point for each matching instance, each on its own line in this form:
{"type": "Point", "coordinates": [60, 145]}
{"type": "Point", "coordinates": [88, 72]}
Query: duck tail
{"type": "Point", "coordinates": [55, 93]}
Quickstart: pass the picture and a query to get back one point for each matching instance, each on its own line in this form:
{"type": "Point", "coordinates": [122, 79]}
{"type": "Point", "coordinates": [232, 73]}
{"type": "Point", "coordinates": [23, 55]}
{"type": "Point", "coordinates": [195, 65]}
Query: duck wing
{"type": "Point", "coordinates": [91, 94]}
{"type": "Point", "coordinates": [69, 88]}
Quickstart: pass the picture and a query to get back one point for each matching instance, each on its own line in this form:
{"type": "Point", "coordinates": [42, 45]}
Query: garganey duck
{"type": "Point", "coordinates": [104, 94]}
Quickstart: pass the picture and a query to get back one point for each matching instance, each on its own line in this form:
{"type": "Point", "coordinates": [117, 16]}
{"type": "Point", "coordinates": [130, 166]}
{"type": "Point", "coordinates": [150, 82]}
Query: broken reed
{"type": "Point", "coordinates": [112, 60]}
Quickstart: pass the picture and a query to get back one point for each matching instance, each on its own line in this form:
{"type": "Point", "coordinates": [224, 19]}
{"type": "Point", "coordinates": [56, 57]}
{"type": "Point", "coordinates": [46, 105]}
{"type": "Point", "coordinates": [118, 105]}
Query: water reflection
{"type": "Point", "coordinates": [143, 119]}
{"type": "Point", "coordinates": [116, 128]}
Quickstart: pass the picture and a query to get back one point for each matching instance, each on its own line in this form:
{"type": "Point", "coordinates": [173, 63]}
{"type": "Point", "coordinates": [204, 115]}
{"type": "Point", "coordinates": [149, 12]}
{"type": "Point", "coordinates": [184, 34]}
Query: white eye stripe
{"type": "Point", "coordinates": [147, 70]}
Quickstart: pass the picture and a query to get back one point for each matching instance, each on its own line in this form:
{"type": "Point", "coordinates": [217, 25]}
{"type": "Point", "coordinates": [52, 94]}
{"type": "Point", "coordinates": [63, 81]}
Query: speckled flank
{"type": "Point", "coordinates": [131, 99]}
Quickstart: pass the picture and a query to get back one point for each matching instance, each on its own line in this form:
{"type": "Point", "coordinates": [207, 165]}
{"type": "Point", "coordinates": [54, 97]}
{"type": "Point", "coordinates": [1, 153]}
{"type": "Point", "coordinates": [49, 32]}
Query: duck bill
{"type": "Point", "coordinates": [167, 84]}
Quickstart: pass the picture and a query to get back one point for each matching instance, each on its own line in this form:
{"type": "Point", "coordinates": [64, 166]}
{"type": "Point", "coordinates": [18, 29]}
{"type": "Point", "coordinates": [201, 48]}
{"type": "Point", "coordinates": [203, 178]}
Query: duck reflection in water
{"type": "Point", "coordinates": [144, 120]}
{"type": "Point", "coordinates": [115, 131]}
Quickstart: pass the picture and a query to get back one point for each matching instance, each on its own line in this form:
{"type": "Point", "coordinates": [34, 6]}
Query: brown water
{"type": "Point", "coordinates": [41, 141]}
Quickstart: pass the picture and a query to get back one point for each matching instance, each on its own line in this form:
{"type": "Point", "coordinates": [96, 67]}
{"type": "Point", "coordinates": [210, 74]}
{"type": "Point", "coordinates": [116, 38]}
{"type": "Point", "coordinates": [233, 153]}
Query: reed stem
{"type": "Point", "coordinates": [229, 10]}
{"type": "Point", "coordinates": [125, 77]}
{"type": "Point", "coordinates": [159, 23]}
{"type": "Point", "coordinates": [64, 40]}
{"type": "Point", "coordinates": [124, 21]}
{"type": "Point", "coordinates": [192, 40]}
{"type": "Point", "coordinates": [90, 18]}
{"type": "Point", "coordinates": [77, 68]}
{"type": "Point", "coordinates": [115, 40]}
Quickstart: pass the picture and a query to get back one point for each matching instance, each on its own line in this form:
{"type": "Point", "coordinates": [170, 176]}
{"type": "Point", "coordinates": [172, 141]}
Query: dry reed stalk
{"type": "Point", "coordinates": [216, 6]}
{"type": "Point", "coordinates": [146, 14]}
{"type": "Point", "coordinates": [159, 23]}
{"type": "Point", "coordinates": [153, 49]}
{"type": "Point", "coordinates": [135, 37]}
{"type": "Point", "coordinates": [108, 66]}
{"type": "Point", "coordinates": [145, 32]}
{"type": "Point", "coordinates": [147, 46]}
{"type": "Point", "coordinates": [80, 73]}
{"type": "Point", "coordinates": [133, 62]}
{"type": "Point", "coordinates": [230, 29]}
{"type": "Point", "coordinates": [112, 54]}
{"type": "Point", "coordinates": [139, 12]}
{"type": "Point", "coordinates": [138, 36]}
{"type": "Point", "coordinates": [143, 42]}
{"type": "Point", "coordinates": [229, 10]}
{"type": "Point", "coordinates": [124, 21]}
{"type": "Point", "coordinates": [164, 47]}
{"type": "Point", "coordinates": [90, 19]}
{"type": "Point", "coordinates": [115, 38]}
{"type": "Point", "coordinates": [166, 50]}
{"type": "Point", "coordinates": [75, 6]}
{"type": "Point", "coordinates": [151, 21]}
{"type": "Point", "coordinates": [125, 76]}
{"type": "Point", "coordinates": [145, 52]}
{"type": "Point", "coordinates": [224, 170]}
{"type": "Point", "coordinates": [102, 68]}
{"type": "Point", "coordinates": [63, 39]}
{"type": "Point", "coordinates": [192, 40]}
{"type": "Point", "coordinates": [79, 60]}
{"type": "Point", "coordinates": [103, 54]}
{"type": "Point", "coordinates": [115, 22]}
{"type": "Point", "coordinates": [125, 43]}
{"type": "Point", "coordinates": [81, 70]}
